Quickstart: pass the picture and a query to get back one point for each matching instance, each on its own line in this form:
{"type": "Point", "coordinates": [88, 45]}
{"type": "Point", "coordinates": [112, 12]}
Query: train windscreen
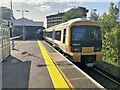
{"type": "Point", "coordinates": [86, 33]}
{"type": "Point", "coordinates": [86, 36]}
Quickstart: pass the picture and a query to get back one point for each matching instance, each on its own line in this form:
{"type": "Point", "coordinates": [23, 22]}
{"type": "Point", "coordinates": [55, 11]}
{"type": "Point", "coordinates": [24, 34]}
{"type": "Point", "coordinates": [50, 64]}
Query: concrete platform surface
{"type": "Point", "coordinates": [76, 76]}
{"type": "Point", "coordinates": [27, 68]}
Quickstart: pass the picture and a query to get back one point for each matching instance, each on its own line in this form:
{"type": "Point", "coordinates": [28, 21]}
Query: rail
{"type": "Point", "coordinates": [107, 75]}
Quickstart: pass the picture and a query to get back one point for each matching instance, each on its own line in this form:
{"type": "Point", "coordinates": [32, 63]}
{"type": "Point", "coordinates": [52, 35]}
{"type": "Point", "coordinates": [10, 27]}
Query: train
{"type": "Point", "coordinates": [79, 38]}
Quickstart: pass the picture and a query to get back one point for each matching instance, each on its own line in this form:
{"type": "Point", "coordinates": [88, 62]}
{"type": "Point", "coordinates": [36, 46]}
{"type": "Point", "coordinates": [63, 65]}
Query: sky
{"type": "Point", "coordinates": [39, 9]}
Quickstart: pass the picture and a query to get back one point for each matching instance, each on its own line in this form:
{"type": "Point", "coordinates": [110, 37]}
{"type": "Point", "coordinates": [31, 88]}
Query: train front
{"type": "Point", "coordinates": [85, 42]}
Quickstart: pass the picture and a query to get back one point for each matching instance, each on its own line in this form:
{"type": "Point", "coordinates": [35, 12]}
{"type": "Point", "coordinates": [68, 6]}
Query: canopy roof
{"type": "Point", "coordinates": [26, 22]}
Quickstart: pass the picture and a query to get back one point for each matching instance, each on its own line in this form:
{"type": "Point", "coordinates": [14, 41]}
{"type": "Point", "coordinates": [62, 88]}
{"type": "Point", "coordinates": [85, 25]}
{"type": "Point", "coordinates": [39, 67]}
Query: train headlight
{"type": "Point", "coordinates": [97, 48]}
{"type": "Point", "coordinates": [74, 49]}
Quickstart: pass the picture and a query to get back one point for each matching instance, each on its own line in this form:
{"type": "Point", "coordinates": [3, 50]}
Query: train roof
{"type": "Point", "coordinates": [74, 21]}
{"type": "Point", "coordinates": [80, 20]}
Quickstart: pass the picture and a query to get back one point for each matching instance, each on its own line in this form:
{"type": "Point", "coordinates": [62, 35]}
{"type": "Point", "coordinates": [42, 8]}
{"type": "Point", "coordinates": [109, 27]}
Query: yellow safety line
{"type": "Point", "coordinates": [63, 75]}
{"type": "Point", "coordinates": [57, 79]}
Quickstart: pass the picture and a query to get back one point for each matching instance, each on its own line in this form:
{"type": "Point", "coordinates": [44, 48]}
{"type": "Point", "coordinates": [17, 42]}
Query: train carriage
{"type": "Point", "coordinates": [79, 38]}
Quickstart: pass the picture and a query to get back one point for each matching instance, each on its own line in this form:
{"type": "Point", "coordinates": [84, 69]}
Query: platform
{"type": "Point", "coordinates": [35, 64]}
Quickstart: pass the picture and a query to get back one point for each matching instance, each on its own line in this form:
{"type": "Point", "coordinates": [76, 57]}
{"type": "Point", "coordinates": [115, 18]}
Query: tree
{"type": "Point", "coordinates": [112, 44]}
{"type": "Point", "coordinates": [94, 16]}
{"type": "Point", "coordinates": [113, 10]}
{"type": "Point", "coordinates": [79, 12]}
{"type": "Point", "coordinates": [109, 21]}
{"type": "Point", "coordinates": [6, 13]}
{"type": "Point", "coordinates": [111, 31]}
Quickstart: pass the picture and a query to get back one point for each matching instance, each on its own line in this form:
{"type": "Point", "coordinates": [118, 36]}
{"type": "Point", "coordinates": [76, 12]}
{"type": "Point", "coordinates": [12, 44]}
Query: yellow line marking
{"type": "Point", "coordinates": [63, 75]}
{"type": "Point", "coordinates": [57, 79]}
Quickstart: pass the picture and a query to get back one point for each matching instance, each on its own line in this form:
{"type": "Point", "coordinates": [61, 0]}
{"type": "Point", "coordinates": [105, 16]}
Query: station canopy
{"type": "Point", "coordinates": [26, 22]}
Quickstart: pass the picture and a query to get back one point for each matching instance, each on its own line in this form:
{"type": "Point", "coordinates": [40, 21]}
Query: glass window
{"type": "Point", "coordinates": [49, 34]}
{"type": "Point", "coordinates": [1, 33]}
{"type": "Point", "coordinates": [81, 33]}
{"type": "Point", "coordinates": [64, 35]}
{"type": "Point", "coordinates": [78, 33]}
{"type": "Point", "coordinates": [0, 43]}
{"type": "Point", "coordinates": [58, 35]}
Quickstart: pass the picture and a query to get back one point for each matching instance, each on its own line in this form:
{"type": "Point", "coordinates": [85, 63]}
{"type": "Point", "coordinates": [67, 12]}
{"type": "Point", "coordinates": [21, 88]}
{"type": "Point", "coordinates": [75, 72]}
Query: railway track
{"type": "Point", "coordinates": [107, 75]}
{"type": "Point", "coordinates": [105, 79]}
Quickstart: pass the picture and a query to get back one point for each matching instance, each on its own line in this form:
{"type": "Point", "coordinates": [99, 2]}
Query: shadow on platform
{"type": "Point", "coordinates": [15, 73]}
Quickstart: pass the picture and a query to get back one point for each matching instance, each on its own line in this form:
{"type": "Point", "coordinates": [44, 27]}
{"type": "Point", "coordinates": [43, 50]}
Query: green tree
{"type": "Point", "coordinates": [6, 13]}
{"type": "Point", "coordinates": [79, 12]}
{"type": "Point", "coordinates": [110, 30]}
{"type": "Point", "coordinates": [112, 44]}
{"type": "Point", "coordinates": [94, 16]}
{"type": "Point", "coordinates": [113, 10]}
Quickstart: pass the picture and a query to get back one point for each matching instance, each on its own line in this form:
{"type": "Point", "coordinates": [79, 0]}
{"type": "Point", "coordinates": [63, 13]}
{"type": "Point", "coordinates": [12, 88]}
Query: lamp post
{"type": "Point", "coordinates": [12, 26]}
{"type": "Point", "coordinates": [22, 11]}
{"type": "Point", "coordinates": [92, 10]}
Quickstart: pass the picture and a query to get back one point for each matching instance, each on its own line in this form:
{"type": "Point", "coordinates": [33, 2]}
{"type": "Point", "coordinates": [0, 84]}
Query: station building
{"type": "Point", "coordinates": [30, 28]}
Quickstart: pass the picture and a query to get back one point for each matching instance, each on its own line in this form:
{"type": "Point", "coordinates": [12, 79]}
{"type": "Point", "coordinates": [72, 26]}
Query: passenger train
{"type": "Point", "coordinates": [79, 38]}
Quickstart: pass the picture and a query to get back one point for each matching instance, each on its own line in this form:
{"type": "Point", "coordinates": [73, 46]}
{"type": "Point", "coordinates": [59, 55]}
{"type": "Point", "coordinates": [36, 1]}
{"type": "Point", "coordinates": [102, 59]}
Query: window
{"type": "Point", "coordinates": [64, 35]}
{"type": "Point", "coordinates": [86, 33]}
{"type": "Point", "coordinates": [49, 34]}
{"type": "Point", "coordinates": [1, 33]}
{"type": "Point", "coordinates": [58, 35]}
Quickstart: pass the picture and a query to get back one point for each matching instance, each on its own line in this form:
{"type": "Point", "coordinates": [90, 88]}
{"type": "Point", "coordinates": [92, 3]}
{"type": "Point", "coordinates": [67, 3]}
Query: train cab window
{"type": "Point", "coordinates": [64, 35]}
{"type": "Point", "coordinates": [58, 35]}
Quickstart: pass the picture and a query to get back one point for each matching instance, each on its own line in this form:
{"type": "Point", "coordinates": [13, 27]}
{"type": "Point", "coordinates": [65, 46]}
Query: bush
{"type": "Point", "coordinates": [111, 46]}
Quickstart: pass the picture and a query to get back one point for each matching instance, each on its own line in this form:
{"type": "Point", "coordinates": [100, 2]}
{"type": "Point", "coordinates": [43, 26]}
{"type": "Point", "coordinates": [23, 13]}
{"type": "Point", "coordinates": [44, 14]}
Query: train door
{"type": "Point", "coordinates": [53, 37]}
{"type": "Point", "coordinates": [64, 39]}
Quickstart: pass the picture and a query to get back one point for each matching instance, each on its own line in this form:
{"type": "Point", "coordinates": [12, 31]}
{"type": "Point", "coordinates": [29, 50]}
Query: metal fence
{"type": "Point", "coordinates": [4, 42]}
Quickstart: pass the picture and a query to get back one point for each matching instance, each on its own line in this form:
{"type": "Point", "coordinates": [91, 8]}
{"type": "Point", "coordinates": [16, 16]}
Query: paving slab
{"type": "Point", "coordinates": [76, 76]}
{"type": "Point", "coordinates": [26, 70]}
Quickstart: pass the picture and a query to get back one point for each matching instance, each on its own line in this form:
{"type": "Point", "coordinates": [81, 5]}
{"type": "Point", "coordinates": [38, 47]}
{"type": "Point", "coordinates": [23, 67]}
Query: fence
{"type": "Point", "coordinates": [4, 42]}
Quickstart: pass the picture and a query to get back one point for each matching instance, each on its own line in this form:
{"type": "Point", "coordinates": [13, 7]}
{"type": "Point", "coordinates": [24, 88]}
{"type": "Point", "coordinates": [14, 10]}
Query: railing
{"type": "Point", "coordinates": [16, 37]}
{"type": "Point", "coordinates": [4, 42]}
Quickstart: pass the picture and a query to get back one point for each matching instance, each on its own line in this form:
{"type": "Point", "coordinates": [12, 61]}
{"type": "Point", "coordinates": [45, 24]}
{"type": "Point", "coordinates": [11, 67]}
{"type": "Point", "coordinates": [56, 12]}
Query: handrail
{"type": "Point", "coordinates": [16, 37]}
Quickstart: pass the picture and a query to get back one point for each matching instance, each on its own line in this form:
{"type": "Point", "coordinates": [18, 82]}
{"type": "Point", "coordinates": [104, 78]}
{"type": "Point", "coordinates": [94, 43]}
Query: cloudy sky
{"type": "Point", "coordinates": [39, 9]}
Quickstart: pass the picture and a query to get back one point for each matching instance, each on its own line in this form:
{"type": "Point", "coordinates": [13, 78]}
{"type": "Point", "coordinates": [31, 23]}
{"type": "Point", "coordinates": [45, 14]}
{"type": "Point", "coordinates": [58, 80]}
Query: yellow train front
{"type": "Point", "coordinates": [79, 38]}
